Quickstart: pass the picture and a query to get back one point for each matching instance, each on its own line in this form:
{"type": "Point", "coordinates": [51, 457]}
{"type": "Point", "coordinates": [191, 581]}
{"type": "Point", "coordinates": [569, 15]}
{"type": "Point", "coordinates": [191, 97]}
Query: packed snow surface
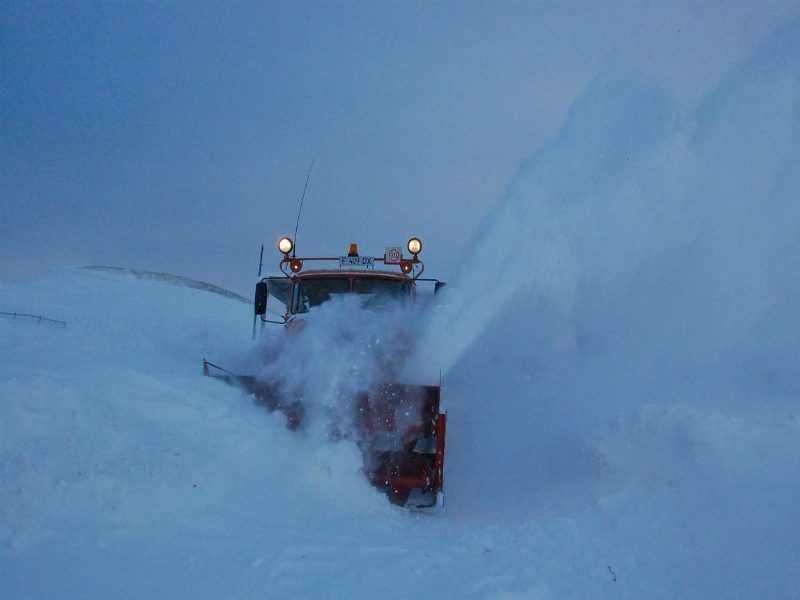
{"type": "Point", "coordinates": [620, 362]}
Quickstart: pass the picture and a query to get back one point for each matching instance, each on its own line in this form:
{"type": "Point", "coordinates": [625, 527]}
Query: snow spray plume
{"type": "Point", "coordinates": [343, 349]}
{"type": "Point", "coordinates": [644, 257]}
{"type": "Point", "coordinates": [637, 222]}
{"type": "Point", "coordinates": [528, 245]}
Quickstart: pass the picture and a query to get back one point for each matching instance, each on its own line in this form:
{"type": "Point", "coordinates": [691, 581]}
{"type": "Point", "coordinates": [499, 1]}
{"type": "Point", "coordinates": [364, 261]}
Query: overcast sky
{"type": "Point", "coordinates": [176, 136]}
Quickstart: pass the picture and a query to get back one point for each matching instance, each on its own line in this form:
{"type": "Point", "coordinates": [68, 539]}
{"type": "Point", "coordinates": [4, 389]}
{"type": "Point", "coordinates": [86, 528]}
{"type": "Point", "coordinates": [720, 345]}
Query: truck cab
{"type": "Point", "coordinates": [400, 428]}
{"type": "Point", "coordinates": [300, 289]}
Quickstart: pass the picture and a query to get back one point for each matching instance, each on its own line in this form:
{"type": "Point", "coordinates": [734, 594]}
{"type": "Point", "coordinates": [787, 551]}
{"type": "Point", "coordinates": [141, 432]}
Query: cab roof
{"type": "Point", "coordinates": [353, 274]}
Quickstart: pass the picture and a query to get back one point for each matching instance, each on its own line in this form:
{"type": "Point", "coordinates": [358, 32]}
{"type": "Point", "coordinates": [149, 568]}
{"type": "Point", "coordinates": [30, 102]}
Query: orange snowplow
{"type": "Point", "coordinates": [399, 428]}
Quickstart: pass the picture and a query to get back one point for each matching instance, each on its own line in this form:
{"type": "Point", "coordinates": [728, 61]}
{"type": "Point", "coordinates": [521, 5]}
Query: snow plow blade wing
{"type": "Point", "coordinates": [263, 392]}
{"type": "Point", "coordinates": [399, 428]}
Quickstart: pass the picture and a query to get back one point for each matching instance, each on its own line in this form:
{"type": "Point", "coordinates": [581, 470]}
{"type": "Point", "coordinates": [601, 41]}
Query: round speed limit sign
{"type": "Point", "coordinates": [393, 256]}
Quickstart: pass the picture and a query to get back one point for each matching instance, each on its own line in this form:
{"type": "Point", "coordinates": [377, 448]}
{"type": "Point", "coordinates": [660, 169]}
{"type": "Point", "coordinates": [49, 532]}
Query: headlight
{"type": "Point", "coordinates": [414, 246]}
{"type": "Point", "coordinates": [285, 245]}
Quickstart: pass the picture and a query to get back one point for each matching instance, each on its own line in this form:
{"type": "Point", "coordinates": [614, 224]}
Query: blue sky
{"type": "Point", "coordinates": [176, 136]}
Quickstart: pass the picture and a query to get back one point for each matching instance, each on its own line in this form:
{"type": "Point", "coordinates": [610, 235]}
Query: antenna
{"type": "Point", "coordinates": [300, 210]}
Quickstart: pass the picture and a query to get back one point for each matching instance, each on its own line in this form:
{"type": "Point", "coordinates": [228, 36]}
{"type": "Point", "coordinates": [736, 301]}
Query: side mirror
{"type": "Point", "coordinates": [261, 298]}
{"type": "Point", "coordinates": [438, 286]}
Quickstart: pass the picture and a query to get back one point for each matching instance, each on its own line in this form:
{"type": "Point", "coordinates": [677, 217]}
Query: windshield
{"type": "Point", "coordinates": [313, 292]}
{"type": "Point", "coordinates": [375, 292]}
{"type": "Point", "coordinates": [380, 287]}
{"type": "Point", "coordinates": [380, 294]}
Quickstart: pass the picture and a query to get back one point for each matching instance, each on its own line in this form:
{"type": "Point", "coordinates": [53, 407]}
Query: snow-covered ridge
{"type": "Point", "coordinates": [173, 279]}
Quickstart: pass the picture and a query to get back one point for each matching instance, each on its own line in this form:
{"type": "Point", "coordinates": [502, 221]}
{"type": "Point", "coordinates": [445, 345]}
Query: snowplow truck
{"type": "Point", "coordinates": [400, 428]}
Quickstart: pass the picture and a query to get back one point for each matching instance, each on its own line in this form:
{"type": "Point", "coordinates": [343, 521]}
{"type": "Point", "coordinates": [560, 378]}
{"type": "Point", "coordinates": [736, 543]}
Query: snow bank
{"type": "Point", "coordinates": [115, 446]}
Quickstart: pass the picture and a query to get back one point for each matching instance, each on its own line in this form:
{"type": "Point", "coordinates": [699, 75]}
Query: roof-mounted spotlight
{"type": "Point", "coordinates": [285, 245]}
{"type": "Point", "coordinates": [415, 246]}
